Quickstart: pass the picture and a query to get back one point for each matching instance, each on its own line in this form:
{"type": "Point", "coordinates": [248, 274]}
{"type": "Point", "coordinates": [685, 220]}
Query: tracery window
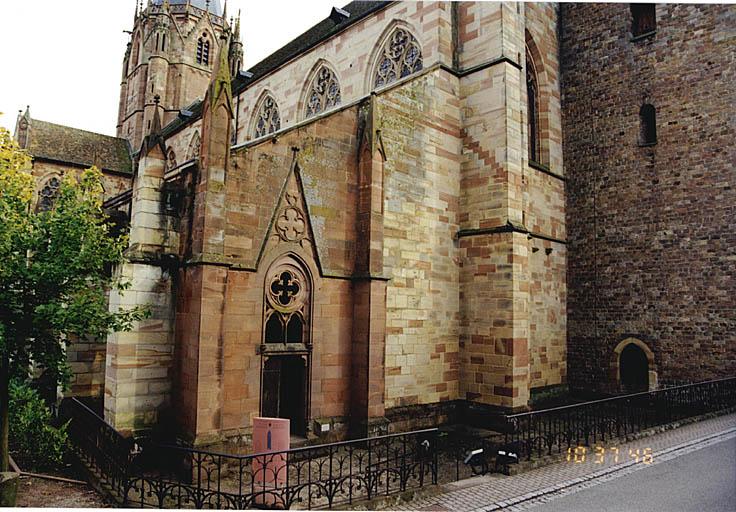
{"type": "Point", "coordinates": [287, 306]}
{"type": "Point", "coordinates": [324, 92]}
{"type": "Point", "coordinates": [400, 56]}
{"type": "Point", "coordinates": [268, 120]}
{"type": "Point", "coordinates": [532, 97]}
{"type": "Point", "coordinates": [48, 194]}
{"type": "Point", "coordinates": [203, 50]}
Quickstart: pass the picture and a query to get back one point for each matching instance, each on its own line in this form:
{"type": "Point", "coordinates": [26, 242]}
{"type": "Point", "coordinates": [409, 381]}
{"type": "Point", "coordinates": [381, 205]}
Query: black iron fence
{"type": "Point", "coordinates": [324, 476]}
{"type": "Point", "coordinates": [538, 433]}
{"type": "Point", "coordinates": [310, 477]}
{"type": "Point", "coordinates": [151, 475]}
{"type": "Point", "coordinates": [99, 446]}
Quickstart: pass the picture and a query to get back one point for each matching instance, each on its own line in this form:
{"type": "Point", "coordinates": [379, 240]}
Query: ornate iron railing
{"type": "Point", "coordinates": [159, 476]}
{"type": "Point", "coordinates": [311, 477]}
{"type": "Point", "coordinates": [152, 475]}
{"type": "Point", "coordinates": [99, 446]}
{"type": "Point", "coordinates": [539, 433]}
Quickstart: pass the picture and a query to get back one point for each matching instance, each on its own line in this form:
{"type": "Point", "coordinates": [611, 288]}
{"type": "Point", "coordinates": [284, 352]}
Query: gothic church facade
{"type": "Point", "coordinates": [366, 231]}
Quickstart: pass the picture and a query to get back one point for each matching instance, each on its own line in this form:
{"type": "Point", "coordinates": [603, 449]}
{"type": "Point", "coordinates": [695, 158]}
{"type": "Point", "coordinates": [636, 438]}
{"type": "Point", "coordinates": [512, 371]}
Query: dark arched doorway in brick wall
{"type": "Point", "coordinates": [633, 367]}
{"type": "Point", "coordinates": [286, 346]}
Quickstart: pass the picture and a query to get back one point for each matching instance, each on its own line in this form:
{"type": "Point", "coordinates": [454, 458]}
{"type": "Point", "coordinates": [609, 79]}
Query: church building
{"type": "Point", "coordinates": [388, 221]}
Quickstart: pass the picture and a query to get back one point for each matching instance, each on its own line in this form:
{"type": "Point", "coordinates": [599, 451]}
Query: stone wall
{"type": "Point", "coordinates": [651, 228]}
{"type": "Point", "coordinates": [112, 183]}
{"type": "Point", "coordinates": [512, 294]}
{"type": "Point", "coordinates": [220, 312]}
{"type": "Point", "coordinates": [86, 357]}
{"type": "Point", "coordinates": [352, 54]}
{"type": "Point", "coordinates": [420, 129]}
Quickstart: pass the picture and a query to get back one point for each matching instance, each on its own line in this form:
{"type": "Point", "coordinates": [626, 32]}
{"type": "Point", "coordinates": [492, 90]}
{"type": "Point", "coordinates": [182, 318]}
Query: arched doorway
{"type": "Point", "coordinates": [634, 369]}
{"type": "Point", "coordinates": [286, 344]}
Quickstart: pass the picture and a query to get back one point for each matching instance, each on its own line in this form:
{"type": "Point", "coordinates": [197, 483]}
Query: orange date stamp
{"type": "Point", "coordinates": [602, 455]}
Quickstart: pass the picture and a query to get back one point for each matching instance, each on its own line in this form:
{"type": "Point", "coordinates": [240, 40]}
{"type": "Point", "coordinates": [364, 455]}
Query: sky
{"type": "Point", "coordinates": [64, 57]}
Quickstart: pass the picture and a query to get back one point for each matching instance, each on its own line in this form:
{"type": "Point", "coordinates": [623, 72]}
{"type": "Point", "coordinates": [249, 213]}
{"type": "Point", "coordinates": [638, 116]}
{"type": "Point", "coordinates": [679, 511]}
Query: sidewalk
{"type": "Point", "coordinates": [497, 492]}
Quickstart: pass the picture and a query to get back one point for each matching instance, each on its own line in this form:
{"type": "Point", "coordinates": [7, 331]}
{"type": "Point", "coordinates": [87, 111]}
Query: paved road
{"type": "Point", "coordinates": [701, 481]}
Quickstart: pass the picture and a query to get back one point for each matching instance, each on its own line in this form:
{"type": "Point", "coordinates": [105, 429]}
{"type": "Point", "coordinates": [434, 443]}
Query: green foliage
{"type": "Point", "coordinates": [32, 434]}
{"type": "Point", "coordinates": [54, 265]}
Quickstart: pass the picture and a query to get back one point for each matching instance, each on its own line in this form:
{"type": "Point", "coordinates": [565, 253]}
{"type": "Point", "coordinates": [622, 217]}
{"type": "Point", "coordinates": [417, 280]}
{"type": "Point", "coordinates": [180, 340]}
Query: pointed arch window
{"type": "Point", "coordinates": [287, 306]}
{"type": "Point", "coordinates": [203, 50]}
{"type": "Point", "coordinates": [170, 159]}
{"type": "Point", "coordinates": [193, 150]}
{"type": "Point", "coordinates": [137, 50]}
{"type": "Point", "coordinates": [532, 112]}
{"type": "Point", "coordinates": [647, 125]}
{"type": "Point", "coordinates": [400, 56]}
{"type": "Point", "coordinates": [48, 194]}
{"type": "Point", "coordinates": [324, 92]}
{"type": "Point", "coordinates": [268, 119]}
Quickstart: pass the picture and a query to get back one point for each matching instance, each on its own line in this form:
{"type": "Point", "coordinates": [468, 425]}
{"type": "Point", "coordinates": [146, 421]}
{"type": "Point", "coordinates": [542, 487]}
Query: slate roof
{"type": "Point", "coordinates": [79, 147]}
{"type": "Point", "coordinates": [200, 4]}
{"type": "Point", "coordinates": [312, 37]}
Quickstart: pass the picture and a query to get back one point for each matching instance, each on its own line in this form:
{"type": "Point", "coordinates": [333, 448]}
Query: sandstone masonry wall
{"type": "Point", "coordinates": [352, 54]}
{"type": "Point", "coordinates": [420, 128]}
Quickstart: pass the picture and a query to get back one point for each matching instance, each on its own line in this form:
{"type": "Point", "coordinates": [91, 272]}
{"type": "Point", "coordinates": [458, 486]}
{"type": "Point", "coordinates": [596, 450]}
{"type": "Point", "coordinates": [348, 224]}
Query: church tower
{"type": "Point", "coordinates": [171, 55]}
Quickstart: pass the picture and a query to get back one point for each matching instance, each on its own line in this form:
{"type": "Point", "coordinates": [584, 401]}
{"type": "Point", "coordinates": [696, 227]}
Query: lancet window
{"type": "Point", "coordinates": [268, 120]}
{"type": "Point", "coordinates": [324, 92]}
{"type": "Point", "coordinates": [400, 56]}
{"type": "Point", "coordinates": [203, 50]}
{"type": "Point", "coordinates": [48, 194]}
{"type": "Point", "coordinates": [287, 306]}
{"type": "Point", "coordinates": [532, 97]}
{"type": "Point", "coordinates": [193, 150]}
{"type": "Point", "coordinates": [647, 125]}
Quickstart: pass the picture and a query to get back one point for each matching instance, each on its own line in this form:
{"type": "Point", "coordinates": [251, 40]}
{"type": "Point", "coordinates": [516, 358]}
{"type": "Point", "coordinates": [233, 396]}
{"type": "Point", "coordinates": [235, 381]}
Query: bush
{"type": "Point", "coordinates": [32, 433]}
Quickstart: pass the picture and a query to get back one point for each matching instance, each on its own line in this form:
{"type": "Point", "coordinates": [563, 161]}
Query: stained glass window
{"type": "Point", "coordinates": [324, 92]}
{"type": "Point", "coordinates": [268, 120]}
{"type": "Point", "coordinates": [400, 57]}
{"type": "Point", "coordinates": [48, 194]}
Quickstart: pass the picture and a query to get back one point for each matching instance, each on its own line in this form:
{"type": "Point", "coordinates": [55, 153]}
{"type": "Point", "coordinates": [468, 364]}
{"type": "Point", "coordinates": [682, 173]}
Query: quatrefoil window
{"type": "Point", "coordinates": [284, 288]}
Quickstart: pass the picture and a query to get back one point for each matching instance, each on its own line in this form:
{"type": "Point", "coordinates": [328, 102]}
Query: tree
{"type": "Point", "coordinates": [54, 273]}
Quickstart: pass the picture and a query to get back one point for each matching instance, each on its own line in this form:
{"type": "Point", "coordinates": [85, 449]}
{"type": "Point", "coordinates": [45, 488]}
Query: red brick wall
{"type": "Point", "coordinates": [652, 230]}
